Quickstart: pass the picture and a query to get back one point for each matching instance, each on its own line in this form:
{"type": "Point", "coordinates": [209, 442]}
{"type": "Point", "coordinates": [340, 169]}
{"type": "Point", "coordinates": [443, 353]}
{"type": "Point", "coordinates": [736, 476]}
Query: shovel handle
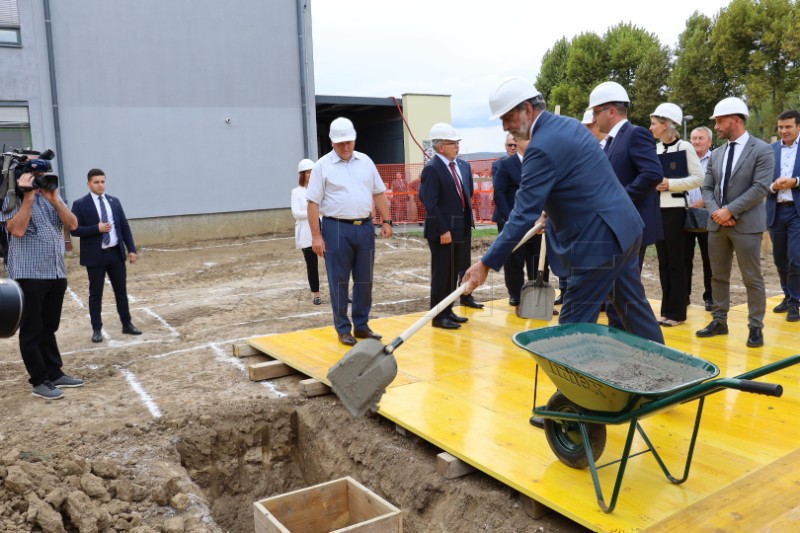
{"type": "Point", "coordinates": [441, 306]}
{"type": "Point", "coordinates": [542, 252]}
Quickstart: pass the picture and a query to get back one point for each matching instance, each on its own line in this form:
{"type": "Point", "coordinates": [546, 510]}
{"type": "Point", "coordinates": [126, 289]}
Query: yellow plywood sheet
{"type": "Point", "coordinates": [470, 392]}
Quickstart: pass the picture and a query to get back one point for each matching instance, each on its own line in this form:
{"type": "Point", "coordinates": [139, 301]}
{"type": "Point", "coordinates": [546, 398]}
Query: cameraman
{"type": "Point", "coordinates": [35, 225]}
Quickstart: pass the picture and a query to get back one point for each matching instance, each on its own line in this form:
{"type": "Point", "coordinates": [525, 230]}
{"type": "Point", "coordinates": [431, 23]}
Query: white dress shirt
{"type": "Point", "coordinates": [344, 189]}
{"type": "Point", "coordinates": [737, 151]}
{"type": "Point", "coordinates": [110, 216]}
{"type": "Point", "coordinates": [788, 157]}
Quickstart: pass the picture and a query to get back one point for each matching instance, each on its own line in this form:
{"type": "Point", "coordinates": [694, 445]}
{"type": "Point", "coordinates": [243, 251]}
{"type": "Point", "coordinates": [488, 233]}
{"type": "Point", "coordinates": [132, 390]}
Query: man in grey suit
{"type": "Point", "coordinates": [738, 177]}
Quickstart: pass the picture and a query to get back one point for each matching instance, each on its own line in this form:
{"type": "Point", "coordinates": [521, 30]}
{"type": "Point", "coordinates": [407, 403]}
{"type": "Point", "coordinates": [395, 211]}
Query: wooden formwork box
{"type": "Point", "coordinates": [338, 506]}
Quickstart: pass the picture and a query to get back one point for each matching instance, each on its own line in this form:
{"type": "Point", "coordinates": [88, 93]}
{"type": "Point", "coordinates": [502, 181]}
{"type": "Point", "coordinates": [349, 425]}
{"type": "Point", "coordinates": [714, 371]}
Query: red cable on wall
{"type": "Point", "coordinates": [400, 110]}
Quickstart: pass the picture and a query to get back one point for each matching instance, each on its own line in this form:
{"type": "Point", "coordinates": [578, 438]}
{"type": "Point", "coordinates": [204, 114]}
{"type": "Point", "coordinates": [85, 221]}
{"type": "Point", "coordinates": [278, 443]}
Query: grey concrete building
{"type": "Point", "coordinates": [198, 110]}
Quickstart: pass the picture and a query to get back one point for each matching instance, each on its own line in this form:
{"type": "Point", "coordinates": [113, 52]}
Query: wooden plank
{"type": "Point", "coordinates": [241, 349]}
{"type": "Point", "coordinates": [469, 393]}
{"type": "Point", "coordinates": [312, 387]}
{"type": "Point", "coordinates": [451, 466]}
{"type": "Point", "coordinates": [533, 508]}
{"type": "Point", "coordinates": [746, 511]}
{"type": "Point", "coordinates": [269, 370]}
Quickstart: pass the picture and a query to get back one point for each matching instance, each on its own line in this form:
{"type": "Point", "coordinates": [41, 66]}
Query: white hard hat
{"type": "Point", "coordinates": [669, 111]}
{"type": "Point", "coordinates": [730, 106]}
{"type": "Point", "coordinates": [442, 131]}
{"type": "Point", "coordinates": [510, 93]}
{"type": "Point", "coordinates": [608, 91]}
{"type": "Point", "coordinates": [588, 117]}
{"type": "Point", "coordinates": [342, 130]}
{"type": "Point", "coordinates": [305, 164]}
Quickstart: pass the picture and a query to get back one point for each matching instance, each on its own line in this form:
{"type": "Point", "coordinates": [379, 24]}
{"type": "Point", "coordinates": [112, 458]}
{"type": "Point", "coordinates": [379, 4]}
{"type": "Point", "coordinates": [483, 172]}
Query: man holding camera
{"type": "Point", "coordinates": [35, 216]}
{"type": "Point", "coordinates": [105, 235]}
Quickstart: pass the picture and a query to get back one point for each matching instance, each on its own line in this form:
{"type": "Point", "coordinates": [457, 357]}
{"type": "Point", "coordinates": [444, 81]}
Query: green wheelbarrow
{"type": "Point", "coordinates": [607, 376]}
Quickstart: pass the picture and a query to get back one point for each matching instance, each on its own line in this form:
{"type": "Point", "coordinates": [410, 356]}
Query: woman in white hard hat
{"type": "Point", "coordinates": [302, 231]}
{"type": "Point", "coordinates": [664, 124]}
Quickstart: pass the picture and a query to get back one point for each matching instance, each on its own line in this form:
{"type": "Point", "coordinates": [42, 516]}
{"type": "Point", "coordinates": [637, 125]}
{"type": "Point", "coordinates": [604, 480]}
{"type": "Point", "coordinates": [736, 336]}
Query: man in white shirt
{"type": "Point", "coordinates": [783, 213]}
{"type": "Point", "coordinates": [343, 186]}
{"type": "Point", "coordinates": [701, 140]}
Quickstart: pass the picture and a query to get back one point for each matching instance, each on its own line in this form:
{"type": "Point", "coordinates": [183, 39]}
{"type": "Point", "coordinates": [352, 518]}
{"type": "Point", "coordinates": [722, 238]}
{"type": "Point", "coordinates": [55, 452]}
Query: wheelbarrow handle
{"type": "Point", "coordinates": [757, 387]}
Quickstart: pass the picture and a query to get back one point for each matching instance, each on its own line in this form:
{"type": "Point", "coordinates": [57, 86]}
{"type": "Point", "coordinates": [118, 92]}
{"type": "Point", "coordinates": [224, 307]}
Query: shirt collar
{"type": "Point", "coordinates": [445, 160]}
{"type": "Point", "coordinates": [742, 139]}
{"type": "Point", "coordinates": [618, 126]}
{"type": "Point", "coordinates": [96, 196]}
{"type": "Point", "coordinates": [790, 145]}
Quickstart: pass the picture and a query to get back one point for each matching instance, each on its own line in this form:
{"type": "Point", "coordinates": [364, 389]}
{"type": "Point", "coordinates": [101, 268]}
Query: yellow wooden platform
{"type": "Point", "coordinates": [469, 392]}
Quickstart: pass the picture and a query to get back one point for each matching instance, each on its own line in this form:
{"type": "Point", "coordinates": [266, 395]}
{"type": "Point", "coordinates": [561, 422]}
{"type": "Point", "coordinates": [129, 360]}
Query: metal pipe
{"type": "Point", "coordinates": [302, 7]}
{"type": "Point", "coordinates": [54, 97]}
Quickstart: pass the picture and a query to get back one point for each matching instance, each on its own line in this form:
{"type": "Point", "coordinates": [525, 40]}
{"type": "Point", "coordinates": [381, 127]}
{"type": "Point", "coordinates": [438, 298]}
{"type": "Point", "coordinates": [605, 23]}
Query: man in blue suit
{"type": "Point", "coordinates": [783, 213]}
{"type": "Point", "coordinates": [506, 184]}
{"type": "Point", "coordinates": [446, 191]}
{"type": "Point", "coordinates": [631, 150]}
{"type": "Point", "coordinates": [105, 235]}
{"type": "Point", "coordinates": [593, 229]}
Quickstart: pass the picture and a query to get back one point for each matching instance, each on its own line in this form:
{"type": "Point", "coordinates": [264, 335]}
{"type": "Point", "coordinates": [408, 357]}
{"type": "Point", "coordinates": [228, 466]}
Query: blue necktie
{"type": "Point", "coordinates": [104, 218]}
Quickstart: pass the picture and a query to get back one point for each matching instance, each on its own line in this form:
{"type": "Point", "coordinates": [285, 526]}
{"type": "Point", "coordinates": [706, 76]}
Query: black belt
{"type": "Point", "coordinates": [111, 248]}
{"type": "Point", "coordinates": [355, 222]}
{"type": "Point", "coordinates": [786, 203]}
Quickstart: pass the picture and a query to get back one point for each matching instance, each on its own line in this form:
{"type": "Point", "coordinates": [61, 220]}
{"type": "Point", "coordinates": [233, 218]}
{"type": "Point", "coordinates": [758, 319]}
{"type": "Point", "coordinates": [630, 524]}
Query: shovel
{"type": "Point", "coordinates": [537, 297]}
{"type": "Point", "coordinates": [360, 378]}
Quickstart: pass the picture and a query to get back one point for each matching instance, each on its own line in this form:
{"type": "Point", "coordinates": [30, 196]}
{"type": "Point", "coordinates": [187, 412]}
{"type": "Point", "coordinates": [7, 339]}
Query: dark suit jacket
{"type": "Point", "coordinates": [565, 173]}
{"type": "Point", "coordinates": [772, 197]}
{"type": "Point", "coordinates": [506, 183]}
{"type": "Point", "coordinates": [90, 235]}
{"type": "Point", "coordinates": [442, 202]}
{"type": "Point", "coordinates": [495, 169]}
{"type": "Point", "coordinates": [748, 186]}
{"type": "Point", "coordinates": [633, 156]}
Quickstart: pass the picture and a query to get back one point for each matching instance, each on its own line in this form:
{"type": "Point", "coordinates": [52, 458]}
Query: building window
{"type": "Point", "coordinates": [9, 23]}
{"type": "Point", "coordinates": [15, 127]}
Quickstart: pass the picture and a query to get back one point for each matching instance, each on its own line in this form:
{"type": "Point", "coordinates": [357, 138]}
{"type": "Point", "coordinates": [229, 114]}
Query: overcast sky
{"type": "Point", "coordinates": [464, 47]}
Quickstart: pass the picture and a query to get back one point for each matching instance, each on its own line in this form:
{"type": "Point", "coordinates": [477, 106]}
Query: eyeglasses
{"type": "Point", "coordinates": [450, 142]}
{"type": "Point", "coordinates": [510, 145]}
{"type": "Point", "coordinates": [606, 108]}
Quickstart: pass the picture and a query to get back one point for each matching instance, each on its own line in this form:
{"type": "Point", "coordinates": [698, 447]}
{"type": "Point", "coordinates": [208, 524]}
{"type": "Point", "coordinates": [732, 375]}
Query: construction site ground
{"type": "Point", "coordinates": [170, 434]}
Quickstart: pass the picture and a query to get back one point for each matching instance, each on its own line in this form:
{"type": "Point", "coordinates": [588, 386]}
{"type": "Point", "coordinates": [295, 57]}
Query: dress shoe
{"type": "Point", "coordinates": [469, 301]}
{"type": "Point", "coordinates": [793, 312]}
{"type": "Point", "coordinates": [560, 299]}
{"type": "Point", "coordinates": [756, 338]}
{"type": "Point", "coordinates": [130, 329]}
{"type": "Point", "coordinates": [366, 334]}
{"type": "Point", "coordinates": [457, 319]}
{"type": "Point", "coordinates": [347, 339]}
{"type": "Point", "coordinates": [513, 302]}
{"type": "Point", "coordinates": [97, 336]}
{"type": "Point", "coordinates": [709, 304]}
{"type": "Point", "coordinates": [445, 323]}
{"type": "Point", "coordinates": [782, 307]}
{"type": "Point", "coordinates": [716, 327]}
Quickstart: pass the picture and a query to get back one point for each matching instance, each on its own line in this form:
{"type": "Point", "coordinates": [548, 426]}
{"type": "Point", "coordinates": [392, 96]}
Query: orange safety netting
{"type": "Point", "coordinates": [402, 191]}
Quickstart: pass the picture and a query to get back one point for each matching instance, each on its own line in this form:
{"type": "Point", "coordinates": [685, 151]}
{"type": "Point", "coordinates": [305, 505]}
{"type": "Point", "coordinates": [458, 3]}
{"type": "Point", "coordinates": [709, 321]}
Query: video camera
{"type": "Point", "coordinates": [18, 162]}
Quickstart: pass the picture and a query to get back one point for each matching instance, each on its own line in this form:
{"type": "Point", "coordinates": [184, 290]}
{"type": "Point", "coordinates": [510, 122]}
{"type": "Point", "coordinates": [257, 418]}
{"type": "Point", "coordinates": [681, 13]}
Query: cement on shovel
{"type": "Point", "coordinates": [360, 378]}
{"type": "Point", "coordinates": [536, 300]}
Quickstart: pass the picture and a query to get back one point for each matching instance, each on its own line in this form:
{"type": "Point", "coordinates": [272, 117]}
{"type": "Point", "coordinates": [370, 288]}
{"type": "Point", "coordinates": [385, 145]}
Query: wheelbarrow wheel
{"type": "Point", "coordinates": [564, 436]}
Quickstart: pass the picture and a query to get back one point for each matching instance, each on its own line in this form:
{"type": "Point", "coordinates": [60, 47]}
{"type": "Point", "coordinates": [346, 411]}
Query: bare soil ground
{"type": "Point", "coordinates": [170, 435]}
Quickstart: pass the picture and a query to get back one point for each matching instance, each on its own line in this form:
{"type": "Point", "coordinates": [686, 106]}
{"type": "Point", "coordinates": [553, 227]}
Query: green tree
{"type": "Point", "coordinates": [697, 84]}
{"type": "Point", "coordinates": [638, 62]}
{"type": "Point", "coordinates": [554, 68]}
{"type": "Point", "coordinates": [586, 67]}
{"type": "Point", "coordinates": [757, 43]}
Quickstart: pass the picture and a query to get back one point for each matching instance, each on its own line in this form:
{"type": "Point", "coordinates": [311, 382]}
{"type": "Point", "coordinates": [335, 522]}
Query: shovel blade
{"type": "Point", "coordinates": [360, 378]}
{"type": "Point", "coordinates": [536, 300]}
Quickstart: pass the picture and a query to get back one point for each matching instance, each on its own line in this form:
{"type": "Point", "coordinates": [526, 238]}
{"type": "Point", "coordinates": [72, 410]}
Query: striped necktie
{"type": "Point", "coordinates": [104, 218]}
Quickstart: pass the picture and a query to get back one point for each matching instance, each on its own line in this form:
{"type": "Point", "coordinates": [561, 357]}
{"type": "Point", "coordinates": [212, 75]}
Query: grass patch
{"type": "Point", "coordinates": [480, 232]}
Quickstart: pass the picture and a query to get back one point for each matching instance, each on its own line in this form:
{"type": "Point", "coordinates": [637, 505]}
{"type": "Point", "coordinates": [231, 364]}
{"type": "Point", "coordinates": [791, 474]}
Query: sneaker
{"type": "Point", "coordinates": [68, 382]}
{"type": "Point", "coordinates": [48, 391]}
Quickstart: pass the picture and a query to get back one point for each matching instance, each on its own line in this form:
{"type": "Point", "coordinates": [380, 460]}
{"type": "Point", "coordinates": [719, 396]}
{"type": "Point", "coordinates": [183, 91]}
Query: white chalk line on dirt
{"type": "Point", "coordinates": [227, 357]}
{"type": "Point", "coordinates": [75, 298]}
{"type": "Point", "coordinates": [161, 319]}
{"type": "Point", "coordinates": [147, 400]}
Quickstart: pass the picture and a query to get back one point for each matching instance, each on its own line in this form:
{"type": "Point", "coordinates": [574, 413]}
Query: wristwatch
{"type": "Point", "coordinates": [388, 222]}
